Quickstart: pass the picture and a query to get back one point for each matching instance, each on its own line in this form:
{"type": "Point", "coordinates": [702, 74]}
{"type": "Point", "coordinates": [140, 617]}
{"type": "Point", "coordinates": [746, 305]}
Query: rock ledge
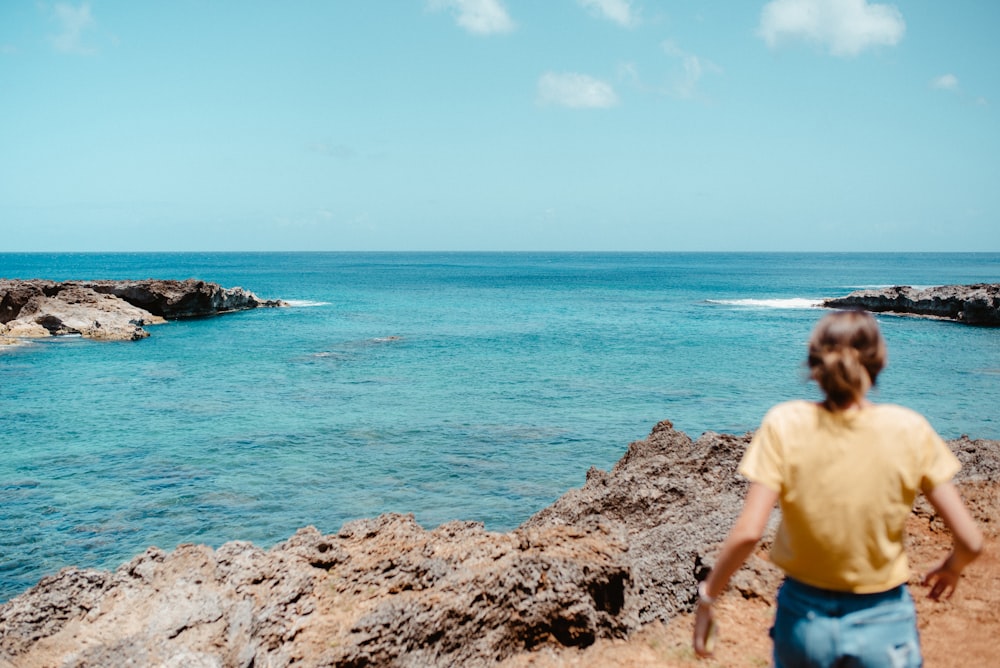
{"type": "Point", "coordinates": [624, 550]}
{"type": "Point", "coordinates": [111, 310]}
{"type": "Point", "coordinates": [977, 304]}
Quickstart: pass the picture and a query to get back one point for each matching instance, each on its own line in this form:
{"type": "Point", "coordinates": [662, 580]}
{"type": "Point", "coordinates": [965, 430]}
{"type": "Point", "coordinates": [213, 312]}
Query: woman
{"type": "Point", "coordinates": [846, 472]}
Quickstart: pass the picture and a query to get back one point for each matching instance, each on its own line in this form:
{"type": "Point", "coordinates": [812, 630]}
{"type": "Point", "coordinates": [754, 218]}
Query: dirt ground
{"type": "Point", "coordinates": [963, 632]}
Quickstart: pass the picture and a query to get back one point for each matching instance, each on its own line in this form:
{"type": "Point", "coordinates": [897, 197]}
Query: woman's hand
{"type": "Point", "coordinates": [705, 630]}
{"type": "Point", "coordinates": [943, 579]}
{"type": "Point", "coordinates": [739, 544]}
{"type": "Point", "coordinates": [967, 540]}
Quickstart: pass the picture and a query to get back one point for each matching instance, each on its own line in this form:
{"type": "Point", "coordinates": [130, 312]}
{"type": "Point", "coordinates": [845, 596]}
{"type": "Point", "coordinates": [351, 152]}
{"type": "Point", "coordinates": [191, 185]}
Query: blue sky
{"type": "Point", "coordinates": [671, 125]}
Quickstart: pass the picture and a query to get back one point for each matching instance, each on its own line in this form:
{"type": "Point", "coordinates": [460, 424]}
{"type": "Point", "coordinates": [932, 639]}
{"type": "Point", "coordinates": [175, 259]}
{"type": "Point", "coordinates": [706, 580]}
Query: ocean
{"type": "Point", "coordinates": [473, 386]}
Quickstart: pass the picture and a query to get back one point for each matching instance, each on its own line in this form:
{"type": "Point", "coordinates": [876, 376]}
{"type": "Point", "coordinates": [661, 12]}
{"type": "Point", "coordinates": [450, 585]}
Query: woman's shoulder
{"type": "Point", "coordinates": [792, 410]}
{"type": "Point", "coordinates": [895, 411]}
{"type": "Point", "coordinates": [901, 416]}
{"type": "Point", "coordinates": [804, 408]}
{"type": "Point", "coordinates": [795, 406]}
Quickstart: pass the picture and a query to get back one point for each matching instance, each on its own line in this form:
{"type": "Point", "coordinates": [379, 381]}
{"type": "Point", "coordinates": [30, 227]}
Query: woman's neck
{"type": "Point", "coordinates": [849, 407]}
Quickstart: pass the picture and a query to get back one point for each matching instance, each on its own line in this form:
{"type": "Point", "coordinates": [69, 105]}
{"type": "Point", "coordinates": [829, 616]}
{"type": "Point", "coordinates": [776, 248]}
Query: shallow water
{"type": "Point", "coordinates": [455, 386]}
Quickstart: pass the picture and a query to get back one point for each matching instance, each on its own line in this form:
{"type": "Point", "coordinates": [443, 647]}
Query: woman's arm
{"type": "Point", "coordinates": [967, 540]}
{"type": "Point", "coordinates": [740, 543]}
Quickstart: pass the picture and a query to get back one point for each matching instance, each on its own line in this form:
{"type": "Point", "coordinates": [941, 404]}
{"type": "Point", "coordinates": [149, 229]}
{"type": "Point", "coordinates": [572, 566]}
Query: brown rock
{"type": "Point", "coordinates": [381, 592]}
{"type": "Point", "coordinates": [676, 499]}
{"type": "Point", "coordinates": [76, 309]}
{"type": "Point", "coordinates": [17, 330]}
{"type": "Point", "coordinates": [624, 550]}
{"type": "Point", "coordinates": [111, 310]}
{"type": "Point", "coordinates": [977, 304]}
{"type": "Point", "coordinates": [15, 294]}
{"type": "Point", "coordinates": [182, 299]}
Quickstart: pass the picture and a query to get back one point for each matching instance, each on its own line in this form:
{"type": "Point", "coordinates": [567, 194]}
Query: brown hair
{"type": "Point", "coordinates": [846, 354]}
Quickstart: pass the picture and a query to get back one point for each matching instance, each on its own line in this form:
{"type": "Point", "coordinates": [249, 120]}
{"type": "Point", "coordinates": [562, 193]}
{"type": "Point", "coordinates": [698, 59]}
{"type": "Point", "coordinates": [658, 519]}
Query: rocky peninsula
{"type": "Point", "coordinates": [977, 304]}
{"type": "Point", "coordinates": [604, 561]}
{"type": "Point", "coordinates": [111, 310]}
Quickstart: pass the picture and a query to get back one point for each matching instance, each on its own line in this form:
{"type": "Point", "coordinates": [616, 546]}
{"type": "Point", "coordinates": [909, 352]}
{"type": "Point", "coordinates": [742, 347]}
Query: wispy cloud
{"type": "Point", "coordinates": [74, 22]}
{"type": "Point", "coordinates": [577, 91]}
{"type": "Point", "coordinates": [8, 48]}
{"type": "Point", "coordinates": [693, 68]}
{"type": "Point", "coordinates": [949, 82]}
{"type": "Point", "coordinates": [338, 151]}
{"type": "Point", "coordinates": [618, 11]}
{"type": "Point", "coordinates": [480, 17]}
{"type": "Point", "coordinates": [845, 27]}
{"type": "Point", "coordinates": [945, 82]}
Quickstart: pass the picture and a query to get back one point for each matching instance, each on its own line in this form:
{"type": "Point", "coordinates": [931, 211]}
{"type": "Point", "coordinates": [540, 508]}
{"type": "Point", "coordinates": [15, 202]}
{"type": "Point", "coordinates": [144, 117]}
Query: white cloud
{"type": "Point", "coordinates": [619, 11]}
{"type": "Point", "coordinates": [846, 27]}
{"type": "Point", "coordinates": [577, 91]}
{"type": "Point", "coordinates": [8, 48]}
{"type": "Point", "coordinates": [482, 17]}
{"type": "Point", "coordinates": [73, 23]}
{"type": "Point", "coordinates": [945, 82]}
{"type": "Point", "coordinates": [693, 68]}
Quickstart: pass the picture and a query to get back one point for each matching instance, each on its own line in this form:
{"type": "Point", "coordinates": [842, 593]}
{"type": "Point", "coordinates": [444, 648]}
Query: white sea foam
{"type": "Point", "coordinates": [303, 303]}
{"type": "Point", "coordinates": [793, 302]}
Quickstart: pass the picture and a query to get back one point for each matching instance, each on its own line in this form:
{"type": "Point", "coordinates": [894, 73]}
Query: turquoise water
{"type": "Point", "coordinates": [473, 386]}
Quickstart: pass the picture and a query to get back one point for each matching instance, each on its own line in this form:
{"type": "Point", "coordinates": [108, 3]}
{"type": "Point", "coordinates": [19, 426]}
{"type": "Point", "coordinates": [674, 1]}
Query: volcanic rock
{"type": "Point", "coordinates": [977, 304]}
{"type": "Point", "coordinates": [625, 549]}
{"type": "Point", "coordinates": [111, 310]}
{"type": "Point", "coordinates": [381, 592]}
{"type": "Point", "coordinates": [675, 499]}
{"type": "Point", "coordinates": [181, 299]}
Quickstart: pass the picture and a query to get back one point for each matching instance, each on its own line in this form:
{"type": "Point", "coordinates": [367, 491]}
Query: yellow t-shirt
{"type": "Point", "coordinates": [846, 482]}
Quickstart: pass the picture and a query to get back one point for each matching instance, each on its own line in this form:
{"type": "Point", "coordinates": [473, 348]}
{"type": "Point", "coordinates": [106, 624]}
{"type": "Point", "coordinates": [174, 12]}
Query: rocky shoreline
{"type": "Point", "coordinates": [111, 310]}
{"type": "Point", "coordinates": [603, 561]}
{"type": "Point", "coordinates": [977, 304]}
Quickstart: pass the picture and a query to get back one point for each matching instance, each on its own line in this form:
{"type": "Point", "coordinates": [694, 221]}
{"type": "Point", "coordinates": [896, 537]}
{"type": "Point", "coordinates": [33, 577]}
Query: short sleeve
{"type": "Point", "coordinates": [939, 463]}
{"type": "Point", "coordinates": [762, 462]}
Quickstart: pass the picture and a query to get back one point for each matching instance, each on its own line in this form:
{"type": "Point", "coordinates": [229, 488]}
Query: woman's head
{"type": "Point", "coordinates": [846, 354]}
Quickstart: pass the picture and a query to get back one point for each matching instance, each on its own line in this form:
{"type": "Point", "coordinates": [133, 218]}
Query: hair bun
{"type": "Point", "coordinates": [846, 354]}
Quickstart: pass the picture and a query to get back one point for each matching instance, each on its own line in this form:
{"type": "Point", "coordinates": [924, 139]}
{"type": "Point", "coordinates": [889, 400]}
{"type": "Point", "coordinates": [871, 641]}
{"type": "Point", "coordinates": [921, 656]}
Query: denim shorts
{"type": "Point", "coordinates": [818, 628]}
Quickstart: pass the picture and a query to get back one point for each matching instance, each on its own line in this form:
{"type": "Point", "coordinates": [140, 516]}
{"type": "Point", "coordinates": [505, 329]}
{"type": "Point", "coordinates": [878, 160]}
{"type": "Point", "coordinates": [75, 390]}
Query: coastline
{"type": "Point", "coordinates": [107, 310]}
{"type": "Point", "coordinates": [606, 562]}
{"type": "Point", "coordinates": [977, 304]}
{"type": "Point", "coordinates": [159, 388]}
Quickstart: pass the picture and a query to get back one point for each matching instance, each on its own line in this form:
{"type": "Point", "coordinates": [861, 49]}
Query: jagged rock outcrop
{"type": "Point", "coordinates": [181, 299]}
{"type": "Point", "coordinates": [111, 310]}
{"type": "Point", "coordinates": [382, 592]}
{"type": "Point", "coordinates": [73, 309]}
{"type": "Point", "coordinates": [676, 499]}
{"type": "Point", "coordinates": [977, 304]}
{"type": "Point", "coordinates": [625, 549]}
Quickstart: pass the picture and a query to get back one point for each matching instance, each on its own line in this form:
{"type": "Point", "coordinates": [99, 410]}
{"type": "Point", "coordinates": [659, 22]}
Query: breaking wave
{"type": "Point", "coordinates": [304, 303]}
{"type": "Point", "coordinates": [789, 303]}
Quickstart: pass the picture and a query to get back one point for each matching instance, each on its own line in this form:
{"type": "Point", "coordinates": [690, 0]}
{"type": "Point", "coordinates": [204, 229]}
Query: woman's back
{"type": "Point", "coordinates": [845, 473]}
{"type": "Point", "coordinates": [846, 481]}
